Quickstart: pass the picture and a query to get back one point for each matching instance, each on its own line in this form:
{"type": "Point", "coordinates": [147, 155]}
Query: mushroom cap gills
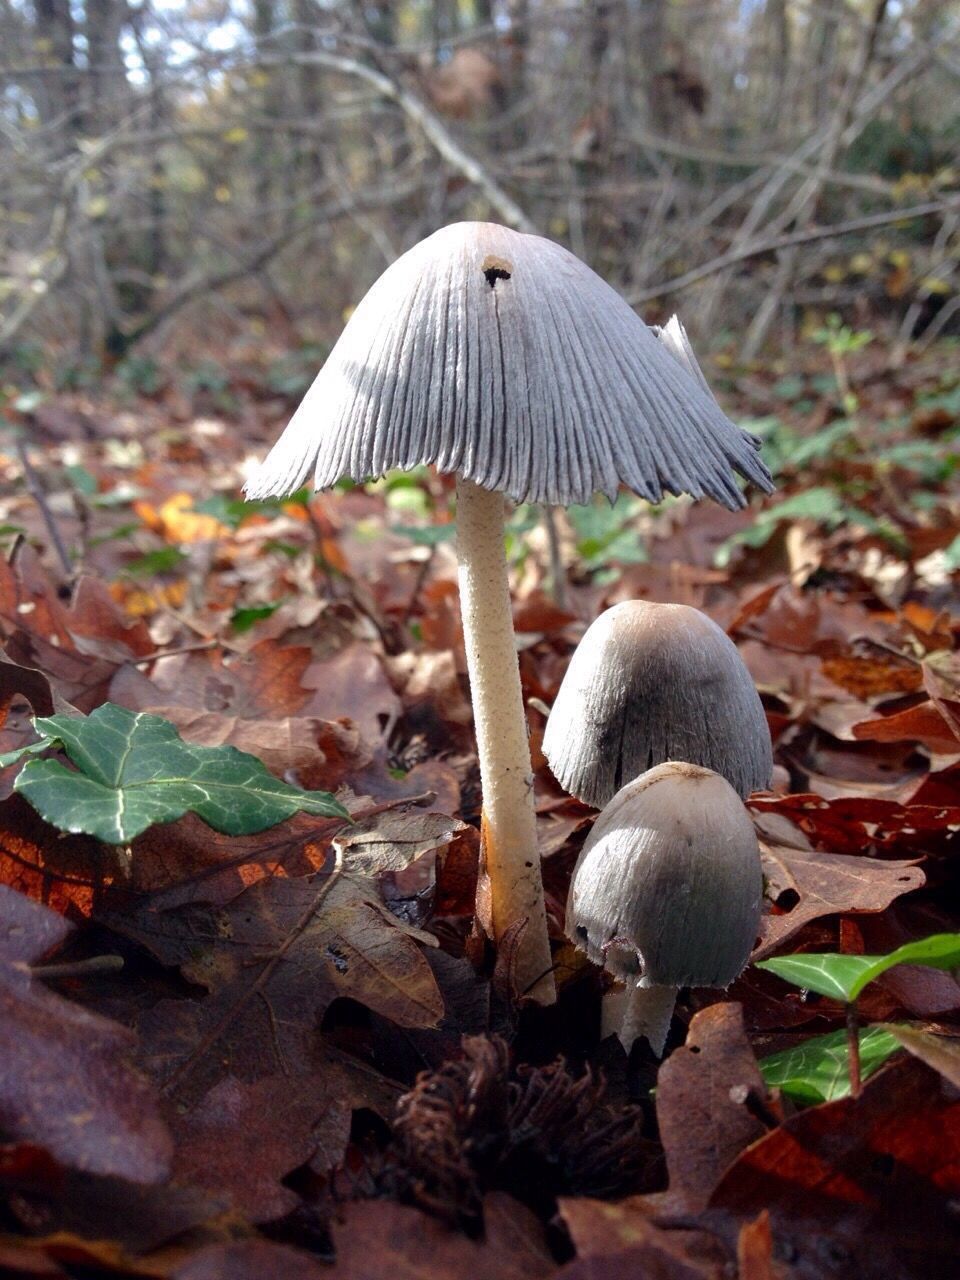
{"type": "Point", "coordinates": [503, 358]}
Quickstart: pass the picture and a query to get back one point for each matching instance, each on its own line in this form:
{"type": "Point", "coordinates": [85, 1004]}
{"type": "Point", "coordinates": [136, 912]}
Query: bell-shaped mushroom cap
{"type": "Point", "coordinates": [654, 682]}
{"type": "Point", "coordinates": [503, 358]}
{"type": "Point", "coordinates": [668, 886]}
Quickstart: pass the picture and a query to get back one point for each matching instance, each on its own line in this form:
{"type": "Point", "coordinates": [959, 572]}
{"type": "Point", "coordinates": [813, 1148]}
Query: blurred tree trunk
{"type": "Point", "coordinates": [446, 20]}
{"type": "Point", "coordinates": [380, 21]}
{"type": "Point", "coordinates": [266, 105]}
{"type": "Point", "coordinates": [781, 81]}
{"type": "Point", "coordinates": [106, 79]}
{"type": "Point", "coordinates": [652, 36]}
{"type": "Point", "coordinates": [822, 60]}
{"type": "Point", "coordinates": [309, 104]}
{"type": "Point", "coordinates": [518, 12]}
{"type": "Point", "coordinates": [60, 98]}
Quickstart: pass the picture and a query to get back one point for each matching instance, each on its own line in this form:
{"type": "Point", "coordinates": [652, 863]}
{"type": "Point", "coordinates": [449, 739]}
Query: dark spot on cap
{"type": "Point", "coordinates": [495, 269]}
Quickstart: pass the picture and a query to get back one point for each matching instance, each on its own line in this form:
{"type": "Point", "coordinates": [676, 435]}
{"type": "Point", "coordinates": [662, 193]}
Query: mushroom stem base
{"type": "Point", "coordinates": [506, 775]}
{"type": "Point", "coordinates": [634, 1011]}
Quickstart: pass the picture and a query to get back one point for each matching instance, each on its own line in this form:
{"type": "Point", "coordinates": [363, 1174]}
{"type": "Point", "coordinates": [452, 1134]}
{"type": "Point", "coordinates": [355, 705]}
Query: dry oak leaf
{"type": "Point", "coordinates": [92, 625]}
{"type": "Point", "coordinates": [353, 685]}
{"type": "Point", "coordinates": [43, 863]}
{"type": "Point", "coordinates": [378, 1239]}
{"type": "Point", "coordinates": [853, 824]}
{"type": "Point", "coordinates": [273, 959]}
{"type": "Point", "coordinates": [703, 1092]}
{"type": "Point", "coordinates": [862, 1186]}
{"type": "Point", "coordinates": [804, 884]}
{"type": "Point", "coordinates": [391, 841]}
{"type": "Point", "coordinates": [79, 649]}
{"type": "Point", "coordinates": [924, 724]}
{"type": "Point", "coordinates": [621, 1240]}
{"type": "Point", "coordinates": [263, 683]}
{"type": "Point", "coordinates": [251, 1260]}
{"type": "Point", "coordinates": [65, 1083]}
{"type": "Point", "coordinates": [244, 1138]}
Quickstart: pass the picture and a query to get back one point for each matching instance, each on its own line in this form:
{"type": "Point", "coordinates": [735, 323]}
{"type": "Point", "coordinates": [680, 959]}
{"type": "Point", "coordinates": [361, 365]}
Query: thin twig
{"type": "Point", "coordinates": [77, 968]}
{"type": "Point", "coordinates": [201, 647]}
{"type": "Point", "coordinates": [35, 489]}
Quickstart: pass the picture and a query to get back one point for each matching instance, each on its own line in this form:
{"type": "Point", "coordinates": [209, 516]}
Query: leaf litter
{"type": "Point", "coordinates": [308, 1056]}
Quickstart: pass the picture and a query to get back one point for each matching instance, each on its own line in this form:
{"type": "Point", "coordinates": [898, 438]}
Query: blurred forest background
{"type": "Point", "coordinates": [182, 180]}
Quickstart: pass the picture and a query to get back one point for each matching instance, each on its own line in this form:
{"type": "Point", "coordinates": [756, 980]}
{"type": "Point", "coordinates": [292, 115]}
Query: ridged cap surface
{"type": "Point", "coordinates": [668, 887]}
{"type": "Point", "coordinates": [653, 682]}
{"type": "Point", "coordinates": [503, 358]}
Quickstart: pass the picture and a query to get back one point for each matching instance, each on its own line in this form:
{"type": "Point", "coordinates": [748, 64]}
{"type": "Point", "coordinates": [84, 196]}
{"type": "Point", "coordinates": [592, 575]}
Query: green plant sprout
{"type": "Point", "coordinates": [808, 1072]}
{"type": "Point", "coordinates": [841, 341]}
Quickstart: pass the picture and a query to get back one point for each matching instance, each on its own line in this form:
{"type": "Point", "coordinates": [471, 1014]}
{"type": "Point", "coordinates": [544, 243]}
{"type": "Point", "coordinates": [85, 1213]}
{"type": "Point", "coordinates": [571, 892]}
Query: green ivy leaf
{"type": "Point", "coordinates": [817, 1070]}
{"type": "Point", "coordinates": [134, 770]}
{"type": "Point", "coordinates": [34, 749]}
{"type": "Point", "coordinates": [844, 977]}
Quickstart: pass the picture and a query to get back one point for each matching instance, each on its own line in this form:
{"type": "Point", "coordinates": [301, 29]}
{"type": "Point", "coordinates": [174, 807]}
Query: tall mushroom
{"type": "Point", "coordinates": [502, 358]}
{"type": "Point", "coordinates": [654, 682]}
{"type": "Point", "coordinates": [667, 892]}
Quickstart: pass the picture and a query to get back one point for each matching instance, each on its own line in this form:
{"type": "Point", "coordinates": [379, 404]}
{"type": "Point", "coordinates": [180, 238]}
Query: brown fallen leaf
{"type": "Point", "coordinates": [925, 724]}
{"type": "Point", "coordinates": [942, 1053]}
{"type": "Point", "coordinates": [65, 1080]}
{"type": "Point", "coordinates": [755, 1259]}
{"type": "Point", "coordinates": [251, 1260]}
{"type": "Point", "coordinates": [709, 1093]}
{"type": "Point", "coordinates": [28, 683]}
{"type": "Point", "coordinates": [38, 860]}
{"type": "Point", "coordinates": [273, 959]}
{"type": "Point", "coordinates": [377, 1238]}
{"type": "Point", "coordinates": [391, 841]}
{"type": "Point", "coordinates": [859, 823]}
{"type": "Point", "coordinates": [79, 649]}
{"type": "Point", "coordinates": [108, 1222]}
{"type": "Point", "coordinates": [22, 1261]}
{"type": "Point", "coordinates": [619, 1240]}
{"type": "Point", "coordinates": [870, 670]}
{"type": "Point", "coordinates": [243, 1138]}
{"type": "Point", "coordinates": [804, 884]}
{"type": "Point", "coordinates": [354, 686]}
{"type": "Point", "coordinates": [264, 683]}
{"type": "Point", "coordinates": [862, 1183]}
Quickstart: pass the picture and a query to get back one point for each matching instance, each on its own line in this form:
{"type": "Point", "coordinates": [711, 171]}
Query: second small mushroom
{"type": "Point", "coordinates": [649, 683]}
{"type": "Point", "coordinates": [666, 892]}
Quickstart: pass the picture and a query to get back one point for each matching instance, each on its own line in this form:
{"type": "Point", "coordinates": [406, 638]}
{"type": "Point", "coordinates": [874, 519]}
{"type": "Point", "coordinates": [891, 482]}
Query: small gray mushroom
{"type": "Point", "coordinates": [501, 358]}
{"type": "Point", "coordinates": [666, 892]}
{"type": "Point", "coordinates": [654, 682]}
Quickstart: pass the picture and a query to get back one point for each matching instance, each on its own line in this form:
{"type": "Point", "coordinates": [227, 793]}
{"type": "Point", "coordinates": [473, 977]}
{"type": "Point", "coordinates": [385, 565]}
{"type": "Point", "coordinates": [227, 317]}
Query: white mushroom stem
{"type": "Point", "coordinates": [506, 774]}
{"type": "Point", "coordinates": [632, 1012]}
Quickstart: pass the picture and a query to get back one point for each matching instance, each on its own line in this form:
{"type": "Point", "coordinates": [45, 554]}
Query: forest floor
{"type": "Point", "coordinates": [299, 1072]}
